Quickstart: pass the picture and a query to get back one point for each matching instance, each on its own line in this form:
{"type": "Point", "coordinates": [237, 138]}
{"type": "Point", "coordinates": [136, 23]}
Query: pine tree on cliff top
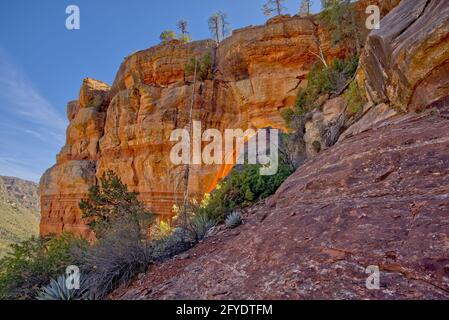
{"type": "Point", "coordinates": [183, 30]}
{"type": "Point", "coordinates": [275, 7]}
{"type": "Point", "coordinates": [304, 9]}
{"type": "Point", "coordinates": [219, 26]}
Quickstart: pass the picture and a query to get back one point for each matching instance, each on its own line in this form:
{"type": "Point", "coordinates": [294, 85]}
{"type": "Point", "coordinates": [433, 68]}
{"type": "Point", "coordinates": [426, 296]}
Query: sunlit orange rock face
{"type": "Point", "coordinates": [126, 128]}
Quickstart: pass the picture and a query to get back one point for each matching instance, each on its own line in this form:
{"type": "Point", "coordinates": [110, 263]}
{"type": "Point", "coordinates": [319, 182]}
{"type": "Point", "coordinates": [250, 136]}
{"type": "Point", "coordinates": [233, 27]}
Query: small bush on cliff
{"type": "Point", "coordinates": [321, 81]}
{"type": "Point", "coordinates": [204, 67]}
{"type": "Point", "coordinates": [165, 248]}
{"type": "Point", "coordinates": [32, 263]}
{"type": "Point", "coordinates": [193, 221]}
{"type": "Point", "coordinates": [345, 25]}
{"type": "Point", "coordinates": [242, 188]}
{"type": "Point", "coordinates": [329, 80]}
{"type": "Point", "coordinates": [355, 98]}
{"type": "Point", "coordinates": [111, 202]}
{"type": "Point", "coordinates": [167, 36]}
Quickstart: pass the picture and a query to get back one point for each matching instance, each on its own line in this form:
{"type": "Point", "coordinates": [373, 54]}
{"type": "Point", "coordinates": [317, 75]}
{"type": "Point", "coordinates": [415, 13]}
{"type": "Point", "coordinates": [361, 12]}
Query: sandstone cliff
{"type": "Point", "coordinates": [379, 197]}
{"type": "Point", "coordinates": [126, 127]}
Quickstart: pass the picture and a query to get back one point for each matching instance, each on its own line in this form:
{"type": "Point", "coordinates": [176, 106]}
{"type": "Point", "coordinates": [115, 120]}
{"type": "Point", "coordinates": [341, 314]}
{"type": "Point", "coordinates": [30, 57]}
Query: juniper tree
{"type": "Point", "coordinates": [167, 35]}
{"type": "Point", "coordinates": [110, 202]}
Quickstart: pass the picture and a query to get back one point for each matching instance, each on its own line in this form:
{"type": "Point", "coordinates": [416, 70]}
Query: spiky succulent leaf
{"type": "Point", "coordinates": [233, 220]}
{"type": "Point", "coordinates": [57, 290]}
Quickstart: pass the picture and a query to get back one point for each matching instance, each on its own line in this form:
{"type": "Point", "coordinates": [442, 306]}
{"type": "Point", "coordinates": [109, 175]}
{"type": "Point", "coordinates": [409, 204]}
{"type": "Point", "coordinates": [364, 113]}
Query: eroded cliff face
{"type": "Point", "coordinates": [407, 62]}
{"type": "Point", "coordinates": [126, 128]}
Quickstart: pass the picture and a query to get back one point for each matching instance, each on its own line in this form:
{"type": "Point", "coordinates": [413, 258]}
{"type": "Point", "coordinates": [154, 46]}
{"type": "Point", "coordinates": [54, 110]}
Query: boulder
{"type": "Point", "coordinates": [406, 61]}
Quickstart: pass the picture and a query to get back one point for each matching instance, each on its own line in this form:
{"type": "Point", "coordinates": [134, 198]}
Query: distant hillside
{"type": "Point", "coordinates": [19, 211]}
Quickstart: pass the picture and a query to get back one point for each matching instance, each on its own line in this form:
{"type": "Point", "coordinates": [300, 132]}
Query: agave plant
{"type": "Point", "coordinates": [201, 225]}
{"type": "Point", "coordinates": [57, 290]}
{"type": "Point", "coordinates": [233, 220]}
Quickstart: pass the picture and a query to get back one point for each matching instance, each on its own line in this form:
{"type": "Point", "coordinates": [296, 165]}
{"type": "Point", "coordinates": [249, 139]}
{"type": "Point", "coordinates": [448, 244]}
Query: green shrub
{"type": "Point", "coordinates": [185, 38]}
{"type": "Point", "coordinates": [242, 188]}
{"type": "Point", "coordinates": [321, 81]}
{"type": "Point", "coordinates": [167, 36]}
{"type": "Point", "coordinates": [345, 24]}
{"type": "Point", "coordinates": [329, 80]}
{"type": "Point", "coordinates": [31, 264]}
{"type": "Point", "coordinates": [111, 201]}
{"type": "Point", "coordinates": [204, 67]}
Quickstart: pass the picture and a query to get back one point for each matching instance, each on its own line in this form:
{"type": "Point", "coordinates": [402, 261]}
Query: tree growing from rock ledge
{"type": "Point", "coordinates": [304, 9]}
{"type": "Point", "coordinates": [183, 30]}
{"type": "Point", "coordinates": [219, 26]}
{"type": "Point", "coordinates": [275, 7]}
{"type": "Point", "coordinates": [167, 36]}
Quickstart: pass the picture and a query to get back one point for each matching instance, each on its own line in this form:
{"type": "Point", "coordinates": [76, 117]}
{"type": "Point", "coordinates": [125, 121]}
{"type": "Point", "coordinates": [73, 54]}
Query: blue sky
{"type": "Point", "coordinates": [42, 64]}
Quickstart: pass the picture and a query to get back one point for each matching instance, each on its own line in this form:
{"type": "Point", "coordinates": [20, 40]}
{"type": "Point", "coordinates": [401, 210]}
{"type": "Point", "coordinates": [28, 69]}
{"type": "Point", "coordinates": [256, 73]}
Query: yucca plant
{"type": "Point", "coordinates": [57, 290]}
{"type": "Point", "coordinates": [233, 220]}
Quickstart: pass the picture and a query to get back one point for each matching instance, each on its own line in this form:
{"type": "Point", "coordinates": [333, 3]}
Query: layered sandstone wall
{"type": "Point", "coordinates": [406, 61]}
{"type": "Point", "coordinates": [126, 128]}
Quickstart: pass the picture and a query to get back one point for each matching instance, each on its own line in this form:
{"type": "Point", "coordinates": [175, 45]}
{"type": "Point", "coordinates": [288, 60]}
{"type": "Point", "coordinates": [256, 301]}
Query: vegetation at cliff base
{"type": "Point", "coordinates": [110, 203]}
{"type": "Point", "coordinates": [32, 263]}
{"type": "Point", "coordinates": [241, 188]}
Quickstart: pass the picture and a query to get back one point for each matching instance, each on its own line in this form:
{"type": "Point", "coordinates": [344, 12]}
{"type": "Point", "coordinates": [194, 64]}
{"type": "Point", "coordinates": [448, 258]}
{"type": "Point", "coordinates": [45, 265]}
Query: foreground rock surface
{"type": "Point", "coordinates": [378, 198]}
